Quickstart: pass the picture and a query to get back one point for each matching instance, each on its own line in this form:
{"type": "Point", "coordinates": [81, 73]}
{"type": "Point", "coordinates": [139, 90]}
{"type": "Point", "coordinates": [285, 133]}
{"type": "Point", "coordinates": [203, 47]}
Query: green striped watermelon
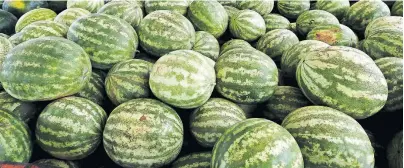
{"type": "Point", "coordinates": [234, 44]}
{"type": "Point", "coordinates": [275, 21]}
{"type": "Point", "coordinates": [183, 78]}
{"type": "Point", "coordinates": [70, 15]}
{"type": "Point", "coordinates": [382, 23]}
{"type": "Point", "coordinates": [130, 12]}
{"type": "Point", "coordinates": [8, 21]}
{"type": "Point", "coordinates": [70, 128]}
{"type": "Point", "coordinates": [128, 80]}
{"type": "Point", "coordinates": [43, 28]}
{"type": "Point", "coordinates": [291, 57]}
{"type": "Point", "coordinates": [329, 138]}
{"type": "Point", "coordinates": [143, 133]}
{"type": "Point", "coordinates": [209, 16]}
{"type": "Point", "coordinates": [179, 6]}
{"type": "Point", "coordinates": [23, 77]}
{"type": "Point", "coordinates": [107, 39]}
{"type": "Point", "coordinates": [20, 7]}
{"type": "Point", "coordinates": [231, 3]}
{"type": "Point", "coordinates": [90, 5]}
{"type": "Point", "coordinates": [94, 89]}
{"type": "Point", "coordinates": [54, 163]}
{"type": "Point", "coordinates": [397, 8]}
{"type": "Point", "coordinates": [263, 7]}
{"type": "Point", "coordinates": [248, 109]}
{"type": "Point", "coordinates": [343, 78]}
{"type": "Point", "coordinates": [277, 41]}
{"type": "Point", "coordinates": [292, 9]}
{"type": "Point", "coordinates": [206, 44]}
{"type": "Point", "coordinates": [246, 75]}
{"type": "Point", "coordinates": [337, 8]}
{"type": "Point", "coordinates": [395, 151]}
{"type": "Point", "coordinates": [139, 3]}
{"type": "Point", "coordinates": [33, 16]}
{"type": "Point", "coordinates": [16, 38]}
{"type": "Point", "coordinates": [392, 69]}
{"type": "Point", "coordinates": [15, 139]}
{"type": "Point", "coordinates": [256, 142]}
{"type": "Point", "coordinates": [24, 111]}
{"type": "Point", "coordinates": [361, 13]}
{"type": "Point", "coordinates": [247, 25]}
{"type": "Point", "coordinates": [285, 100]}
{"type": "Point", "coordinates": [213, 118]}
{"type": "Point", "coordinates": [5, 47]}
{"type": "Point", "coordinates": [163, 31]}
{"type": "Point", "coordinates": [384, 43]}
{"type": "Point", "coordinates": [231, 11]}
{"type": "Point", "coordinates": [292, 27]}
{"type": "Point", "coordinates": [194, 160]}
{"type": "Point", "coordinates": [313, 18]}
{"type": "Point", "coordinates": [335, 35]}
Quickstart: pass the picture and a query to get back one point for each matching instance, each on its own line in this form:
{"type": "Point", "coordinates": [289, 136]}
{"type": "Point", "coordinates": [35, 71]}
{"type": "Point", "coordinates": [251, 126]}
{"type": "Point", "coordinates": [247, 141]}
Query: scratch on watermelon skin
{"type": "Point", "coordinates": [361, 13]}
{"type": "Point", "coordinates": [313, 18]}
{"type": "Point", "coordinates": [292, 9]}
{"type": "Point", "coordinates": [256, 142]}
{"type": "Point", "coordinates": [207, 45]}
{"type": "Point", "coordinates": [91, 6]}
{"type": "Point", "coordinates": [247, 25]}
{"type": "Point", "coordinates": [33, 16]}
{"type": "Point", "coordinates": [68, 16]}
{"type": "Point", "coordinates": [143, 133]}
{"type": "Point", "coordinates": [343, 78]}
{"type": "Point", "coordinates": [335, 35]}
{"type": "Point", "coordinates": [130, 12]}
{"type": "Point", "coordinates": [384, 43]}
{"type": "Point", "coordinates": [277, 41]}
{"type": "Point", "coordinates": [329, 138]}
{"type": "Point", "coordinates": [194, 160]}
{"type": "Point", "coordinates": [179, 6]}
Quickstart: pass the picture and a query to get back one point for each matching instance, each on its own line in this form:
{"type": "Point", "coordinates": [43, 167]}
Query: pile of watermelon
{"type": "Point", "coordinates": [201, 83]}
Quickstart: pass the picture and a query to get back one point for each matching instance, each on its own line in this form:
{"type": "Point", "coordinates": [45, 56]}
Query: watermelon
{"type": "Point", "coordinates": [382, 23]}
{"type": "Point", "coordinates": [91, 5]}
{"type": "Point", "coordinates": [139, 3]}
{"type": "Point", "coordinates": [363, 91]}
{"type": "Point", "coordinates": [194, 160]}
{"type": "Point", "coordinates": [363, 12]}
{"type": "Point", "coordinates": [263, 7]}
{"type": "Point", "coordinates": [57, 6]}
{"type": "Point", "coordinates": [231, 3]}
{"type": "Point", "coordinates": [285, 100]}
{"type": "Point", "coordinates": [291, 57]}
{"type": "Point", "coordinates": [23, 77]}
{"type": "Point", "coordinates": [392, 69]}
{"type": "Point", "coordinates": [20, 7]}
{"type": "Point", "coordinates": [133, 134]}
{"type": "Point", "coordinates": [179, 6]}
{"type": "Point", "coordinates": [313, 18]}
{"type": "Point", "coordinates": [206, 44]}
{"type": "Point", "coordinates": [94, 90]}
{"type": "Point", "coordinates": [7, 22]}
{"type": "Point", "coordinates": [275, 21]}
{"type": "Point", "coordinates": [395, 151]}
{"type": "Point", "coordinates": [292, 27]}
{"type": "Point", "coordinates": [256, 142]}
{"type": "Point", "coordinates": [335, 35]}
{"type": "Point", "coordinates": [24, 111]}
{"type": "Point", "coordinates": [70, 128]}
{"type": "Point", "coordinates": [277, 41]}
{"type": "Point", "coordinates": [248, 109]}
{"type": "Point", "coordinates": [33, 16]}
{"type": "Point", "coordinates": [292, 9]}
{"type": "Point", "coordinates": [213, 118]}
{"type": "Point", "coordinates": [231, 11]}
{"type": "Point", "coordinates": [129, 12]}
{"type": "Point", "coordinates": [384, 43]}
{"type": "Point", "coordinates": [397, 8]}
{"type": "Point", "coordinates": [329, 138]}
{"type": "Point", "coordinates": [183, 78]}
{"type": "Point", "coordinates": [70, 15]}
{"type": "Point", "coordinates": [155, 27]}
{"type": "Point", "coordinates": [246, 75]}
{"type": "Point", "coordinates": [107, 39]}
{"type": "Point", "coordinates": [247, 25]}
{"type": "Point", "coordinates": [15, 139]}
{"type": "Point", "coordinates": [337, 8]}
{"type": "Point", "coordinates": [233, 44]}
{"type": "Point", "coordinates": [360, 45]}
{"type": "Point", "coordinates": [16, 38]}
{"type": "Point", "coordinates": [128, 80]}
{"type": "Point", "coordinates": [55, 163]}
{"type": "Point", "coordinates": [43, 28]}
{"type": "Point", "coordinates": [5, 47]}
{"type": "Point", "coordinates": [209, 16]}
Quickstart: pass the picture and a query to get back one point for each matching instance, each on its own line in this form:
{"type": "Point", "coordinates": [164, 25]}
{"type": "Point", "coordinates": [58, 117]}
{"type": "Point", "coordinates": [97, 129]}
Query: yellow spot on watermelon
{"type": "Point", "coordinates": [18, 4]}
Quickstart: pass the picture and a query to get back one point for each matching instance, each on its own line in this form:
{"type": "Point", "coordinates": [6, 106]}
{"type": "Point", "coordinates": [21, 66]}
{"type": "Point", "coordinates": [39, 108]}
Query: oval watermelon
{"type": "Point", "coordinates": [384, 43]}
{"type": "Point", "coordinates": [24, 111]}
{"type": "Point", "coordinates": [395, 151]}
{"type": "Point", "coordinates": [362, 12]}
{"type": "Point", "coordinates": [335, 35]}
{"type": "Point", "coordinates": [234, 44]}
{"type": "Point", "coordinates": [194, 160]}
{"type": "Point", "coordinates": [275, 21]}
{"type": "Point", "coordinates": [277, 41]}
{"type": "Point", "coordinates": [292, 9]}
{"type": "Point", "coordinates": [130, 12]}
{"type": "Point", "coordinates": [313, 18]}
{"type": "Point", "coordinates": [94, 89]}
{"type": "Point", "coordinates": [247, 25]}
{"type": "Point", "coordinates": [206, 44]}
{"type": "Point", "coordinates": [91, 5]}
{"type": "Point", "coordinates": [7, 23]}
{"type": "Point", "coordinates": [263, 7]}
{"type": "Point", "coordinates": [33, 16]}
{"type": "Point", "coordinates": [179, 6]}
{"type": "Point", "coordinates": [397, 8]}
{"type": "Point", "coordinates": [44, 28]}
{"type": "Point", "coordinates": [337, 8]}
{"type": "Point", "coordinates": [70, 15]}
{"type": "Point", "coordinates": [382, 23]}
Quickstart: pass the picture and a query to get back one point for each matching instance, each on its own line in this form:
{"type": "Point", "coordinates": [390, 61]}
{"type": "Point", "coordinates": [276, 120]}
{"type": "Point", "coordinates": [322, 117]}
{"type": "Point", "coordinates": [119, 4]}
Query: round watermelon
{"type": "Point", "coordinates": [246, 75]}
{"type": "Point", "coordinates": [247, 25]}
{"type": "Point", "coordinates": [179, 6]}
{"type": "Point", "coordinates": [20, 7]}
{"type": "Point", "coordinates": [91, 5]}
{"type": "Point", "coordinates": [383, 23]}
{"type": "Point", "coordinates": [24, 111]}
{"type": "Point", "coordinates": [128, 80]}
{"type": "Point", "coordinates": [143, 133]}
{"type": "Point", "coordinates": [337, 8]}
{"type": "Point", "coordinates": [361, 13]}
{"type": "Point", "coordinates": [70, 15]}
{"type": "Point", "coordinates": [206, 44]}
{"type": "Point", "coordinates": [213, 118]}
{"type": "Point", "coordinates": [343, 78]}
{"type": "Point", "coordinates": [7, 22]}
{"type": "Point", "coordinates": [313, 18]}
{"type": "Point", "coordinates": [275, 21]}
{"type": "Point", "coordinates": [33, 16]}
{"type": "Point", "coordinates": [277, 41]}
{"type": "Point", "coordinates": [234, 44]}
{"type": "Point", "coordinates": [107, 39]}
{"type": "Point", "coordinates": [392, 69]}
{"type": "Point", "coordinates": [292, 9]}
{"type": "Point", "coordinates": [384, 43]}
{"type": "Point", "coordinates": [183, 78]}
{"type": "Point", "coordinates": [397, 8]}
{"type": "Point", "coordinates": [130, 12]}
{"type": "Point", "coordinates": [94, 90]}
{"type": "Point", "coordinates": [256, 142]}
{"type": "Point", "coordinates": [329, 138]}
{"type": "Point", "coordinates": [263, 7]}
{"type": "Point", "coordinates": [55, 163]}
{"type": "Point", "coordinates": [335, 35]}
{"type": "Point", "coordinates": [194, 160]}
{"type": "Point", "coordinates": [44, 28]}
{"type": "Point", "coordinates": [163, 31]}
{"type": "Point", "coordinates": [23, 77]}
{"type": "Point", "coordinates": [395, 151]}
